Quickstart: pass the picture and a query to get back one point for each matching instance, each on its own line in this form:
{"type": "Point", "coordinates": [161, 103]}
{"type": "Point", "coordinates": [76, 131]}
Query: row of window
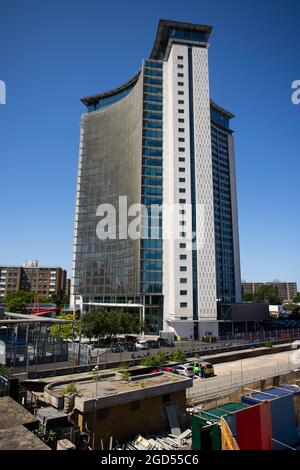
{"type": "Point", "coordinates": [151, 248]}
{"type": "Point", "coordinates": [181, 169]}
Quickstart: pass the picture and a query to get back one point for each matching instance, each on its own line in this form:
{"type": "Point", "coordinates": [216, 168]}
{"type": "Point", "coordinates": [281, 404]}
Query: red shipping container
{"type": "Point", "coordinates": [254, 427]}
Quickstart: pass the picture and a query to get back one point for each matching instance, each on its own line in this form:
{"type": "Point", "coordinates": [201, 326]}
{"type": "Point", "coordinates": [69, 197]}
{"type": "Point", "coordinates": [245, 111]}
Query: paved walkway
{"type": "Point", "coordinates": [231, 375]}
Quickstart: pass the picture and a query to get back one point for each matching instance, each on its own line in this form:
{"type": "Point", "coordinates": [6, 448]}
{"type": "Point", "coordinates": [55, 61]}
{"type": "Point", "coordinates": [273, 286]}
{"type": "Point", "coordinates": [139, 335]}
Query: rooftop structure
{"type": "Point", "coordinates": [146, 403]}
{"type": "Point", "coordinates": [16, 424]}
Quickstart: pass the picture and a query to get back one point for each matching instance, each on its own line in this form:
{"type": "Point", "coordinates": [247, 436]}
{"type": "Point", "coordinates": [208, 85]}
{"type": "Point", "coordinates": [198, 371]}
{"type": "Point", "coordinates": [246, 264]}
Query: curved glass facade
{"type": "Point", "coordinates": [109, 167]}
{"type": "Point", "coordinates": [109, 100]}
{"type": "Point", "coordinates": [225, 274]}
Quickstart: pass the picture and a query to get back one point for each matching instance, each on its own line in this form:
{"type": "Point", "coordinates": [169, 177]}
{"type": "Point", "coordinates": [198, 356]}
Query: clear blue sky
{"type": "Point", "coordinates": [52, 52]}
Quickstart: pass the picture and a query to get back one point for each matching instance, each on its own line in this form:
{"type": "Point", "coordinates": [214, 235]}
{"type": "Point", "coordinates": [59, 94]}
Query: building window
{"type": "Point", "coordinates": [183, 257]}
{"type": "Point", "coordinates": [135, 405]}
{"type": "Point", "coordinates": [181, 159]}
{"type": "Point", "coordinates": [183, 304]}
{"type": "Point", "coordinates": [183, 268]}
{"type": "Point", "coordinates": [102, 413]}
{"type": "Point", "coordinates": [166, 398]}
{"type": "Point", "coordinates": [180, 57]}
{"type": "Point", "coordinates": [181, 139]}
{"type": "Point", "coordinates": [181, 111]}
{"type": "Point", "coordinates": [180, 83]}
{"type": "Point", "coordinates": [181, 120]}
{"type": "Point", "coordinates": [182, 234]}
{"type": "Point", "coordinates": [183, 292]}
{"type": "Point", "coordinates": [182, 170]}
{"type": "Point", "coordinates": [182, 245]}
{"type": "Point", "coordinates": [180, 75]}
{"type": "Point", "coordinates": [181, 149]}
{"type": "Point", "coordinates": [182, 190]}
{"type": "Point", "coordinates": [183, 280]}
{"type": "Point", "coordinates": [180, 101]}
{"type": "Point", "coordinates": [180, 66]}
{"type": "Point", "coordinates": [181, 180]}
{"type": "Point", "coordinates": [181, 129]}
{"type": "Point", "coordinates": [180, 92]}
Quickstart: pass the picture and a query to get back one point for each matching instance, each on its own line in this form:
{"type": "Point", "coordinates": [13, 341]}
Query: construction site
{"type": "Point", "coordinates": [237, 408]}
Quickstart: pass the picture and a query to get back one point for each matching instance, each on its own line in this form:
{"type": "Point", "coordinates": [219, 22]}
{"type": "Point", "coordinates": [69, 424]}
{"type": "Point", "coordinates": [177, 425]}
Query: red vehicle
{"type": "Point", "coordinates": [162, 369]}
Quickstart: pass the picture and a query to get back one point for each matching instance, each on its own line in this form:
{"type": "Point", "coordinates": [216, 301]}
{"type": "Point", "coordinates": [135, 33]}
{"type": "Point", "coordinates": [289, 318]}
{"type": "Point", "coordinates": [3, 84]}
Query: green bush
{"type": "Point", "coordinates": [49, 438]}
{"type": "Point", "coordinates": [71, 388]}
{"type": "Point", "coordinates": [156, 360]}
{"type": "Point", "coordinates": [177, 356]}
{"type": "Point", "coordinates": [123, 369]}
{"type": "Point", "coordinates": [269, 344]}
{"type": "Point", "coordinates": [5, 371]}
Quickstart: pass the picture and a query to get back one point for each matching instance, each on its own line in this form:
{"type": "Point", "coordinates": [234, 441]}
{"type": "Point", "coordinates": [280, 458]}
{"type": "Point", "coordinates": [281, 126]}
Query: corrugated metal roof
{"type": "Point", "coordinates": [224, 410]}
{"type": "Point", "coordinates": [273, 393]}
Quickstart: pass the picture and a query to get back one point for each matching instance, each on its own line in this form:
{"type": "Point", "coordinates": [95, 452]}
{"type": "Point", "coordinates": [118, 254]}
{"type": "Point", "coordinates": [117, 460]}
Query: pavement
{"type": "Point", "coordinates": [231, 375]}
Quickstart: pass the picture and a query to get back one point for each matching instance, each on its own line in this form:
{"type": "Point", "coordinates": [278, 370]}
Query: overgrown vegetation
{"type": "Point", "coordinates": [177, 356]}
{"type": "Point", "coordinates": [49, 438]}
{"type": "Point", "coordinates": [124, 371]}
{"type": "Point", "coordinates": [156, 360]}
{"type": "Point", "coordinates": [5, 371]}
{"type": "Point", "coordinates": [71, 388]}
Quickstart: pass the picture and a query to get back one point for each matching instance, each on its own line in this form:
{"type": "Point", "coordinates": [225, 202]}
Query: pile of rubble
{"type": "Point", "coordinates": [162, 441]}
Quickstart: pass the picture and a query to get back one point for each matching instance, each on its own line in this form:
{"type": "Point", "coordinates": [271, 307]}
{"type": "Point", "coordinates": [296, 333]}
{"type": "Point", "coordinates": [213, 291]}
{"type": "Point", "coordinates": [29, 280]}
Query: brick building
{"type": "Point", "coordinates": [44, 280]}
{"type": "Point", "coordinates": [287, 291]}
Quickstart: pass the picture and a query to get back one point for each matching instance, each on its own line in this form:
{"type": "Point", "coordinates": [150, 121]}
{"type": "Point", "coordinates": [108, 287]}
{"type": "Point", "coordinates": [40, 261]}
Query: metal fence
{"type": "Point", "coordinates": [227, 382]}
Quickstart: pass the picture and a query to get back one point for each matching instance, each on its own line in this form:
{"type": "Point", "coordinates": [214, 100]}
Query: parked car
{"type": "Point", "coordinates": [206, 367]}
{"type": "Point", "coordinates": [116, 348]}
{"type": "Point", "coordinates": [141, 345]}
{"type": "Point", "coordinates": [162, 369]}
{"type": "Point", "coordinates": [153, 344]}
{"type": "Point", "coordinates": [185, 369]}
{"type": "Point", "coordinates": [129, 347]}
{"type": "Point", "coordinates": [166, 343]}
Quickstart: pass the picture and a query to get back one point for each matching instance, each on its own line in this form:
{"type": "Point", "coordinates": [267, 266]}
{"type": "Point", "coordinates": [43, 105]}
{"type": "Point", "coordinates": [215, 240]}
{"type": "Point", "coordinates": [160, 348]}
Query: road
{"type": "Point", "coordinates": [231, 375]}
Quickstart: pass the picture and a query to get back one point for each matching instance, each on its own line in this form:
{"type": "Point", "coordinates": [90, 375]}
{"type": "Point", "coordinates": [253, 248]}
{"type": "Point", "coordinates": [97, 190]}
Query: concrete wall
{"type": "Point", "coordinates": [124, 423]}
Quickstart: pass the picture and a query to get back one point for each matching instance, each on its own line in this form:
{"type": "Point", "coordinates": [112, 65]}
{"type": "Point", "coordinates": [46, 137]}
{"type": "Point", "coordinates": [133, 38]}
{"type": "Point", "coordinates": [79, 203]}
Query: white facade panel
{"type": "Point", "coordinates": [207, 305]}
{"type": "Point", "coordinates": [177, 178]}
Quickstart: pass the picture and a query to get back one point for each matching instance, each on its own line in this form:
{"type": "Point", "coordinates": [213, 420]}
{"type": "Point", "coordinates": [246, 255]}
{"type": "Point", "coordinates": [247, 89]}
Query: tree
{"type": "Point", "coordinates": [65, 330]}
{"type": "Point", "coordinates": [95, 323]}
{"type": "Point", "coordinates": [100, 323]}
{"type": "Point", "coordinates": [17, 302]}
{"type": "Point", "coordinates": [60, 299]}
{"type": "Point", "coordinates": [266, 293]}
{"type": "Point", "coordinates": [294, 310]}
{"type": "Point", "coordinates": [297, 298]}
{"type": "Point", "coordinates": [248, 297]}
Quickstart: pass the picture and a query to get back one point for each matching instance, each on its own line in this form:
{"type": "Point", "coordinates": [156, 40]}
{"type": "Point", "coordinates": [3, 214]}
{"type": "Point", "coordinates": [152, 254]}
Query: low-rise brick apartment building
{"type": "Point", "coordinates": [44, 280]}
{"type": "Point", "coordinates": [287, 291]}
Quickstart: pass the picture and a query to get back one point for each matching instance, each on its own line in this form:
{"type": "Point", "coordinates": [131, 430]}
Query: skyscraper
{"type": "Point", "coordinates": [159, 140]}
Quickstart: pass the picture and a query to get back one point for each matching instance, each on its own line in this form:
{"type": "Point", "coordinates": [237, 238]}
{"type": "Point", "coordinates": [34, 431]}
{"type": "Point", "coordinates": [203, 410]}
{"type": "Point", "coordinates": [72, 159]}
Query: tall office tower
{"type": "Point", "coordinates": [159, 141]}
